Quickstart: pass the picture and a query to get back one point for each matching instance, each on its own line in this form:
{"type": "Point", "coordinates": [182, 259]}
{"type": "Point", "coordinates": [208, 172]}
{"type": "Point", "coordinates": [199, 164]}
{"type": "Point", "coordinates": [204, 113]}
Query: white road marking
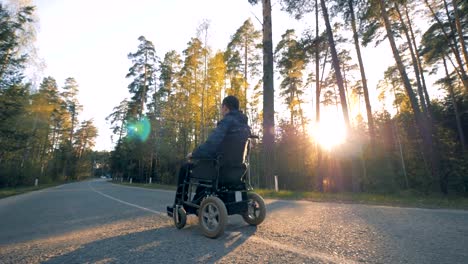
{"type": "Point", "coordinates": [141, 188]}
{"type": "Point", "coordinates": [126, 203]}
{"type": "Point", "coordinates": [267, 242]}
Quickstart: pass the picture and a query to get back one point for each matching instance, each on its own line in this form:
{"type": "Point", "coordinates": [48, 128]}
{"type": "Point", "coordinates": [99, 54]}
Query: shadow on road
{"type": "Point", "coordinates": [162, 245]}
{"type": "Point", "coordinates": [278, 205]}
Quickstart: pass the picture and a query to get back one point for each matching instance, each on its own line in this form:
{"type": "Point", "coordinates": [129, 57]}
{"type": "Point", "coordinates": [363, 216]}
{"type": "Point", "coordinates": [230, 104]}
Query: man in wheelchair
{"type": "Point", "coordinates": [218, 168]}
{"type": "Point", "coordinates": [231, 132]}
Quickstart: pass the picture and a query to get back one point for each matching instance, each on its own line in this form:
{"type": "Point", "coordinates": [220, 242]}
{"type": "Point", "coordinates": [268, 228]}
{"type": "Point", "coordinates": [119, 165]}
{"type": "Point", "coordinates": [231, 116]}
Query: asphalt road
{"type": "Point", "coordinates": [99, 222]}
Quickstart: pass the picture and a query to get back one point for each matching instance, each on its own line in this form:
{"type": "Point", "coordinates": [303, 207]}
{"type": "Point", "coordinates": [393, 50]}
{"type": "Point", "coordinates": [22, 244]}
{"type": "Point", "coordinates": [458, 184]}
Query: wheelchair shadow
{"type": "Point", "coordinates": [169, 245]}
{"type": "Point", "coordinates": [162, 245]}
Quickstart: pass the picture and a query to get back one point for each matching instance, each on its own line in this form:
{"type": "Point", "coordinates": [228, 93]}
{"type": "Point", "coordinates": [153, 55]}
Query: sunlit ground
{"type": "Point", "coordinates": [330, 132]}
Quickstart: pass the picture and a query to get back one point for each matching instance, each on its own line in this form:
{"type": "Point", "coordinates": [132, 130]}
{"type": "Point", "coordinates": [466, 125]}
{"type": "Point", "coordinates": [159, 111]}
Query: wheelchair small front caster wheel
{"type": "Point", "coordinates": [212, 217]}
{"type": "Point", "coordinates": [180, 217]}
{"type": "Point", "coordinates": [256, 211]}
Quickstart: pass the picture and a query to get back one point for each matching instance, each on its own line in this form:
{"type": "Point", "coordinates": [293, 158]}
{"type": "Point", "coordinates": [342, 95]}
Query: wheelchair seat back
{"type": "Point", "coordinates": [232, 158]}
{"type": "Point", "coordinates": [235, 151]}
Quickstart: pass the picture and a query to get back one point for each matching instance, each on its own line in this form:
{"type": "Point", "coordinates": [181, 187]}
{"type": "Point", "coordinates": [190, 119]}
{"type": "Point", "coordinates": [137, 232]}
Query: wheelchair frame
{"type": "Point", "coordinates": [239, 200]}
{"type": "Point", "coordinates": [233, 205]}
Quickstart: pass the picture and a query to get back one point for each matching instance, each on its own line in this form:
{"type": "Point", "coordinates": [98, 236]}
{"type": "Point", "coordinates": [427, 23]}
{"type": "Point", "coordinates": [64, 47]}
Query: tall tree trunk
{"type": "Point", "coordinates": [461, 134]}
{"type": "Point", "coordinates": [317, 66]}
{"type": "Point", "coordinates": [268, 95]}
{"type": "Point", "coordinates": [453, 47]}
{"type": "Point", "coordinates": [202, 119]}
{"type": "Point", "coordinates": [370, 118]}
{"type": "Point", "coordinates": [43, 152]}
{"type": "Point", "coordinates": [345, 82]}
{"type": "Point", "coordinates": [145, 88]}
{"type": "Point", "coordinates": [246, 83]}
{"type": "Point", "coordinates": [318, 170]}
{"type": "Point", "coordinates": [418, 60]}
{"type": "Point", "coordinates": [461, 39]}
{"type": "Point", "coordinates": [421, 120]}
{"type": "Point", "coordinates": [193, 127]}
{"type": "Point", "coordinates": [121, 130]}
{"type": "Point", "coordinates": [72, 124]}
{"type": "Point", "coordinates": [453, 34]}
{"type": "Point", "coordinates": [413, 60]}
{"type": "Point", "coordinates": [68, 154]}
{"type": "Point", "coordinates": [205, 86]}
{"type": "Point", "coordinates": [400, 148]}
{"type": "Point", "coordinates": [339, 79]}
{"type": "Point", "coordinates": [291, 108]}
{"type": "Point", "coordinates": [301, 114]}
{"type": "Point", "coordinates": [336, 65]}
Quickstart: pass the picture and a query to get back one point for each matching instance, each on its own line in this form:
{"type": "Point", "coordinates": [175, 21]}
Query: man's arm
{"type": "Point", "coordinates": [208, 149]}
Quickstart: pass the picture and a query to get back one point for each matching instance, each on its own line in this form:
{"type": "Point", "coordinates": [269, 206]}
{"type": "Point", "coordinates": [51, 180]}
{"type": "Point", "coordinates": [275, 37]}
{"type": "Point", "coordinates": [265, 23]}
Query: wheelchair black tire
{"type": "Point", "coordinates": [182, 218]}
{"type": "Point", "coordinates": [255, 220]}
{"type": "Point", "coordinates": [219, 215]}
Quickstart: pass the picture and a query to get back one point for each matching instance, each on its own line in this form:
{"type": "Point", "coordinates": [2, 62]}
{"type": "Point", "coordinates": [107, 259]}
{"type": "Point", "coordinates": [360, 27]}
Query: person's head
{"type": "Point", "coordinates": [230, 103]}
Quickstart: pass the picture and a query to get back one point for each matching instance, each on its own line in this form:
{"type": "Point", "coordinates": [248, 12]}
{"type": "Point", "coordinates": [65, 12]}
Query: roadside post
{"type": "Point", "coordinates": [150, 180]}
{"type": "Point", "coordinates": [36, 182]}
{"type": "Point", "coordinates": [131, 180]}
{"type": "Point", "coordinates": [276, 183]}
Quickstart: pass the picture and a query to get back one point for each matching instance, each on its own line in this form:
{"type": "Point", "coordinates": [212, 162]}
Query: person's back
{"type": "Point", "coordinates": [233, 145]}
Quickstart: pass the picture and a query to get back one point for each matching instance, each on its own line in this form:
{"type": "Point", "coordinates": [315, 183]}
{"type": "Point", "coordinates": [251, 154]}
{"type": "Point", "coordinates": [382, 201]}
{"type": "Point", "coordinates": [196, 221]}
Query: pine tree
{"type": "Point", "coordinates": [143, 74]}
{"type": "Point", "coordinates": [268, 139]}
{"type": "Point", "coordinates": [292, 61]}
{"type": "Point", "coordinates": [242, 56]}
{"type": "Point", "coordinates": [11, 59]}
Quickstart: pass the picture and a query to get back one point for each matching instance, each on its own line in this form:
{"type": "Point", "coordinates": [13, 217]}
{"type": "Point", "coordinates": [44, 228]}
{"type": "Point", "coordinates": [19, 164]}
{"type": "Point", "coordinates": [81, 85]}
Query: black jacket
{"type": "Point", "coordinates": [233, 127]}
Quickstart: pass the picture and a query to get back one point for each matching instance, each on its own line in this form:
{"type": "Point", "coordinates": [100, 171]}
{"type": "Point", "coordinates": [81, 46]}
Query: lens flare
{"type": "Point", "coordinates": [139, 129]}
{"type": "Point", "coordinates": [330, 132]}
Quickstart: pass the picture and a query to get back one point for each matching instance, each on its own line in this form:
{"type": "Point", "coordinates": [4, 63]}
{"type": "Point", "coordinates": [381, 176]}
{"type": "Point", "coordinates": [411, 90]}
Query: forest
{"type": "Point", "coordinates": [411, 137]}
{"type": "Point", "coordinates": [41, 136]}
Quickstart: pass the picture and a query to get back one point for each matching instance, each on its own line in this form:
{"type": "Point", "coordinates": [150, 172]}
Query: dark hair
{"type": "Point", "coordinates": [231, 102]}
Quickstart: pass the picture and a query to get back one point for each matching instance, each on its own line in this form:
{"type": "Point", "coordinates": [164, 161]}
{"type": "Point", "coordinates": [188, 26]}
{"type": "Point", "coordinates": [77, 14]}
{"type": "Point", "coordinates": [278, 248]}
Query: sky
{"type": "Point", "coordinates": [89, 40]}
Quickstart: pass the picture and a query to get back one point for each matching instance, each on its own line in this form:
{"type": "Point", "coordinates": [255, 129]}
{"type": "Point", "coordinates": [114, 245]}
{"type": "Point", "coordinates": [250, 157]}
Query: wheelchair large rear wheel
{"type": "Point", "coordinates": [256, 211]}
{"type": "Point", "coordinates": [180, 217]}
{"type": "Point", "coordinates": [212, 217]}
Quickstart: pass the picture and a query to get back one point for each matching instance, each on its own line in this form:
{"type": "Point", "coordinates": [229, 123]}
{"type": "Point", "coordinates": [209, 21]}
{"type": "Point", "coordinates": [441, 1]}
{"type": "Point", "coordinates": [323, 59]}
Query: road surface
{"type": "Point", "coordinates": [100, 222]}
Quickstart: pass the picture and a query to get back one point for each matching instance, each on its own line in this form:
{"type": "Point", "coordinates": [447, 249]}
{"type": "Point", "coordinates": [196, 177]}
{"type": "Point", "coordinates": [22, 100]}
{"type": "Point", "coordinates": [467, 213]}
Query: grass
{"type": "Point", "coordinates": [5, 192]}
{"type": "Point", "coordinates": [403, 199]}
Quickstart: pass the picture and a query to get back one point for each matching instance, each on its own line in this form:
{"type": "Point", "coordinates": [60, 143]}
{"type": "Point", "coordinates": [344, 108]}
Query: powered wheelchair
{"type": "Point", "coordinates": [222, 188]}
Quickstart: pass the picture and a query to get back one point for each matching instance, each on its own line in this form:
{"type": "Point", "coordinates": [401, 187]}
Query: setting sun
{"type": "Point", "coordinates": [330, 132]}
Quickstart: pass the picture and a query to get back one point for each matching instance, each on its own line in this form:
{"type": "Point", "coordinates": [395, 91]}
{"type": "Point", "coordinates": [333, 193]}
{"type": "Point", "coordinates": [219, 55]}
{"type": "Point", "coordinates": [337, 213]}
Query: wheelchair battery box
{"type": "Point", "coordinates": [235, 201]}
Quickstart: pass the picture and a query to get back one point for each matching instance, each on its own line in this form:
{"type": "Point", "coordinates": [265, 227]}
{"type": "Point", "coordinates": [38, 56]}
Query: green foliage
{"type": "Point", "coordinates": [11, 59]}
{"type": "Point", "coordinates": [39, 132]}
{"type": "Point", "coordinates": [143, 72]}
{"type": "Point", "coordinates": [295, 151]}
{"type": "Point", "coordinates": [292, 61]}
{"type": "Point", "coordinates": [184, 106]}
{"type": "Point", "coordinates": [243, 60]}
